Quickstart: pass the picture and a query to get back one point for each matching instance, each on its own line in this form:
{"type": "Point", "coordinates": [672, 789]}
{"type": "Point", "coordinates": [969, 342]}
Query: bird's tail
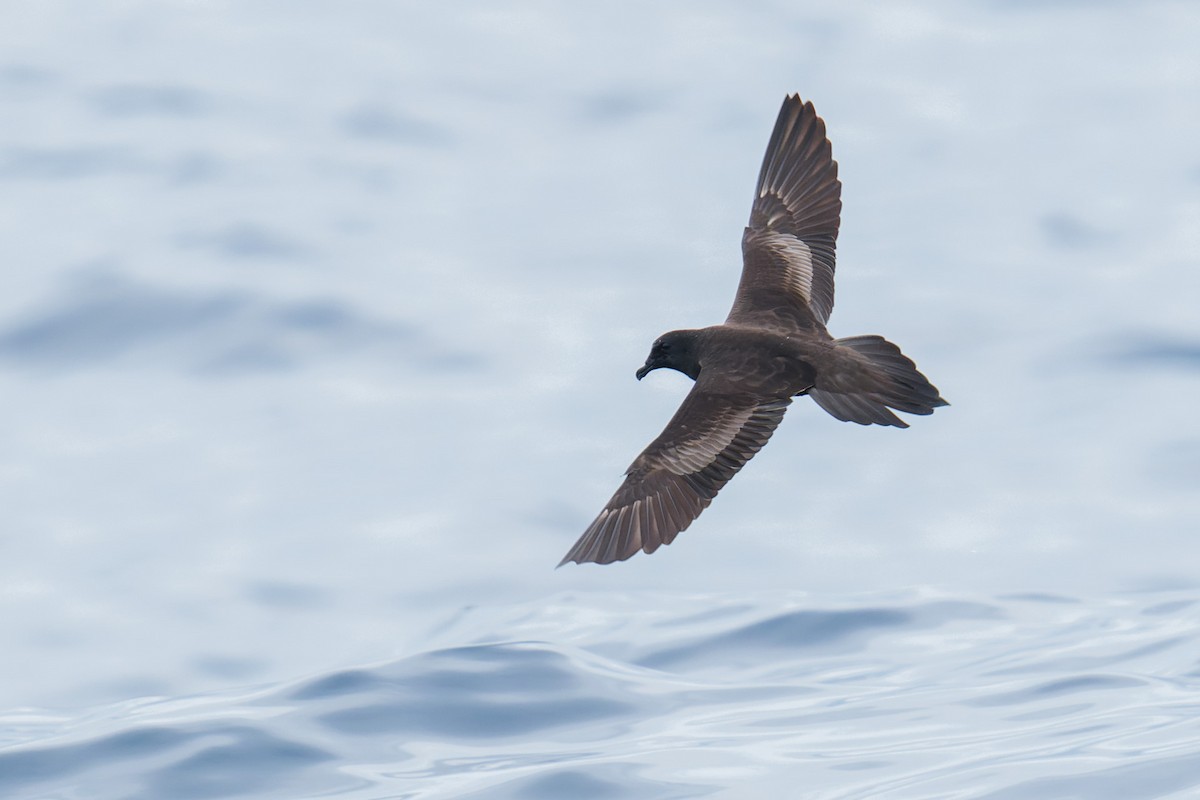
{"type": "Point", "coordinates": [878, 377]}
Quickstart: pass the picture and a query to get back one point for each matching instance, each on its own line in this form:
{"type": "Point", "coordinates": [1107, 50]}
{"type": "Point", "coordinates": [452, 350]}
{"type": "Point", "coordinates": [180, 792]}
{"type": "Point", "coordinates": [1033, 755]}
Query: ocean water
{"type": "Point", "coordinates": [920, 695]}
{"type": "Point", "coordinates": [317, 339]}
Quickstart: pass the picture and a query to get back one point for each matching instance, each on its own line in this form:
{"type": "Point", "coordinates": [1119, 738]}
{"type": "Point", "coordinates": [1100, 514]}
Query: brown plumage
{"type": "Point", "coordinates": [771, 348]}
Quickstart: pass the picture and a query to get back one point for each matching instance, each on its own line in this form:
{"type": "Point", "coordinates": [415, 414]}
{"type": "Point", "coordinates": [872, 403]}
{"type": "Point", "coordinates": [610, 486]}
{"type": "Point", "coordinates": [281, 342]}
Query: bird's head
{"type": "Point", "coordinates": [675, 350]}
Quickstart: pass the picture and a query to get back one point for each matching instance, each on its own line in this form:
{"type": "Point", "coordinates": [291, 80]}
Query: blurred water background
{"type": "Point", "coordinates": [317, 339]}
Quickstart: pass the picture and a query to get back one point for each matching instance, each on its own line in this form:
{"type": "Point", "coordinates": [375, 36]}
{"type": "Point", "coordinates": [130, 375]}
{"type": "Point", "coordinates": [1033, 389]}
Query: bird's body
{"type": "Point", "coordinates": [773, 346]}
{"type": "Point", "coordinates": [756, 360]}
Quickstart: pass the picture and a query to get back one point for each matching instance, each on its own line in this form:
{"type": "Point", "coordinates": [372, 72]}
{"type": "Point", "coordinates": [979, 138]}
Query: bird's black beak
{"type": "Point", "coordinates": [645, 370]}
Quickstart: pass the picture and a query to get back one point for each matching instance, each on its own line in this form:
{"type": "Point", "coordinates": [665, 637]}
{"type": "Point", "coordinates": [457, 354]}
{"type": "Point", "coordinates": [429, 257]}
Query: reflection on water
{"type": "Point", "coordinates": [910, 698]}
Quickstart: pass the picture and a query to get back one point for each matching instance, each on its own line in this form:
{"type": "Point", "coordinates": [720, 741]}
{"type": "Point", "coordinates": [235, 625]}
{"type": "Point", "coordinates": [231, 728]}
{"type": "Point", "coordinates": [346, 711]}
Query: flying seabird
{"type": "Point", "coordinates": [773, 346]}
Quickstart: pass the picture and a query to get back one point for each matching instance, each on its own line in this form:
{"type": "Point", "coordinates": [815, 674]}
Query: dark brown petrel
{"type": "Point", "coordinates": [773, 347]}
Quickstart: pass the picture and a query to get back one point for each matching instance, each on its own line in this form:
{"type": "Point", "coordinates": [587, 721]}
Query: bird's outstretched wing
{"type": "Point", "coordinates": [788, 248]}
{"type": "Point", "coordinates": [704, 445]}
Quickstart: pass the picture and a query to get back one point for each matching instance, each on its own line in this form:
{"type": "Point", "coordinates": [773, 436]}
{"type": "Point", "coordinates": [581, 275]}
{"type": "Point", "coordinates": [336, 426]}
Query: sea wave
{"type": "Point", "coordinates": [1015, 697]}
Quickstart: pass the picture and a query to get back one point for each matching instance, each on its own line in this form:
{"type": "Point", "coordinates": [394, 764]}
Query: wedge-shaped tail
{"type": "Point", "coordinates": [880, 378]}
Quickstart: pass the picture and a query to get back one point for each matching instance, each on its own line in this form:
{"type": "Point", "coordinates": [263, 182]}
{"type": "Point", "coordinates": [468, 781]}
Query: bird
{"type": "Point", "coordinates": [774, 346]}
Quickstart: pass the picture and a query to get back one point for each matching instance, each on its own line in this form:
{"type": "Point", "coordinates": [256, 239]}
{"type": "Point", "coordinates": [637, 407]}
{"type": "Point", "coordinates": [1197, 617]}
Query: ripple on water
{"type": "Point", "coordinates": [479, 692]}
{"type": "Point", "coordinates": [1019, 698]}
{"type": "Point", "coordinates": [183, 761]}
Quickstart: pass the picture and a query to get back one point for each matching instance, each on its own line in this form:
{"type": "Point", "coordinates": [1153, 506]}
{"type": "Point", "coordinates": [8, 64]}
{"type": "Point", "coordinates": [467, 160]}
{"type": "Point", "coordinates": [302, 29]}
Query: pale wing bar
{"type": "Point", "coordinates": [789, 248]}
{"type": "Point", "coordinates": [708, 440]}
